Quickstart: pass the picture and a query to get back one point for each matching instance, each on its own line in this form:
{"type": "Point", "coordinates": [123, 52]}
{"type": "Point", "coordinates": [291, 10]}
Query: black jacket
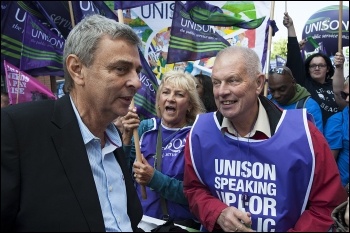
{"type": "Point", "coordinates": [46, 179]}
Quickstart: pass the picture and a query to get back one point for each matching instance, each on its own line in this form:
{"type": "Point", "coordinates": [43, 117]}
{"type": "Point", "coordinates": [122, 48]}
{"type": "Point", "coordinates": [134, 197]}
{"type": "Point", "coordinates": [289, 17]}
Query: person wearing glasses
{"type": "Point", "coordinates": [287, 94]}
{"type": "Point", "coordinates": [162, 143]}
{"type": "Point", "coordinates": [336, 132]}
{"type": "Point", "coordinates": [315, 74]}
{"type": "Point", "coordinates": [251, 166]}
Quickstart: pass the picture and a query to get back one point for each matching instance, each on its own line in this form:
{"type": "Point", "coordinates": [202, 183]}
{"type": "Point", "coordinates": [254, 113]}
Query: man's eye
{"type": "Point", "coordinates": [121, 69]}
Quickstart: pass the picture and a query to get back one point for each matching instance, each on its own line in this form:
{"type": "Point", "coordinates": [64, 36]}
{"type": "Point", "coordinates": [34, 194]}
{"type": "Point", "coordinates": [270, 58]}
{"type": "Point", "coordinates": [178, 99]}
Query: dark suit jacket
{"type": "Point", "coordinates": [46, 180]}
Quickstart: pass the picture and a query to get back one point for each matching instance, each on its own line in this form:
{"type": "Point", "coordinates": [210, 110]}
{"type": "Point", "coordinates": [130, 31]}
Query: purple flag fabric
{"type": "Point", "coordinates": [13, 15]}
{"type": "Point", "coordinates": [204, 13]}
{"type": "Point", "coordinates": [82, 9]}
{"type": "Point", "coordinates": [22, 87]}
{"type": "Point", "coordinates": [145, 98]}
{"type": "Point", "coordinates": [42, 48]}
{"type": "Point", "coordinates": [105, 10]}
{"type": "Point", "coordinates": [12, 29]}
{"type": "Point", "coordinates": [131, 4]}
{"type": "Point", "coordinates": [57, 14]}
{"type": "Point", "coordinates": [190, 41]}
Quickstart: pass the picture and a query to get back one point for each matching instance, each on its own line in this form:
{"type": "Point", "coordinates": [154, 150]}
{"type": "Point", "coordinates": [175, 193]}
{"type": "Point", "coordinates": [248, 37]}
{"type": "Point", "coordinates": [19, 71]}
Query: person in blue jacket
{"type": "Point", "coordinates": [162, 142]}
{"type": "Point", "coordinates": [336, 132]}
{"type": "Point", "coordinates": [287, 94]}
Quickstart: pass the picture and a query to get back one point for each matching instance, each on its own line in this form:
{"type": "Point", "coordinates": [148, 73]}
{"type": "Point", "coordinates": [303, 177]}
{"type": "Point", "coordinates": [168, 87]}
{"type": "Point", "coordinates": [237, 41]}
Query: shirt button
{"type": "Point", "coordinates": [110, 188]}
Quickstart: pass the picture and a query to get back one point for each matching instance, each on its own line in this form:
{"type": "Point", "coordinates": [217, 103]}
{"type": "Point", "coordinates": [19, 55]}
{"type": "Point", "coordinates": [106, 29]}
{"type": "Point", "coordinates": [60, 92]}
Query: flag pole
{"type": "Point", "coordinates": [269, 49]}
{"type": "Point", "coordinates": [135, 133]}
{"type": "Point", "coordinates": [340, 33]}
{"type": "Point", "coordinates": [71, 13]}
{"type": "Point", "coordinates": [18, 80]}
{"type": "Point", "coordinates": [285, 6]}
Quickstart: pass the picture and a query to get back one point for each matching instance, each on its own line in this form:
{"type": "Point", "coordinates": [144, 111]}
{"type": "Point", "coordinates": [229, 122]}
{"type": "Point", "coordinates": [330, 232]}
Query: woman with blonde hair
{"type": "Point", "coordinates": [162, 142]}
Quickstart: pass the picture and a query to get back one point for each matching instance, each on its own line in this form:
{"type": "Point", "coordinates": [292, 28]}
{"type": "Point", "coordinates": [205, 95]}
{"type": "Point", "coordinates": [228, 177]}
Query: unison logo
{"type": "Point", "coordinates": [323, 27]}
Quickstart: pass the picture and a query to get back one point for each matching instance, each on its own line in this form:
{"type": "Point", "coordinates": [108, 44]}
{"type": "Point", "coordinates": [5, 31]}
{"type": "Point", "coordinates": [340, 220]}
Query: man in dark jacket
{"type": "Point", "coordinates": [62, 162]}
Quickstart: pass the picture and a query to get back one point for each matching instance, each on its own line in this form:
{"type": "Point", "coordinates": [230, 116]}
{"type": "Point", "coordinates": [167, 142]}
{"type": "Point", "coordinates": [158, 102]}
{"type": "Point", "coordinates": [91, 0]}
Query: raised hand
{"type": "Point", "coordinates": [129, 122]}
{"type": "Point", "coordinates": [287, 20]}
{"type": "Point", "coordinates": [339, 59]}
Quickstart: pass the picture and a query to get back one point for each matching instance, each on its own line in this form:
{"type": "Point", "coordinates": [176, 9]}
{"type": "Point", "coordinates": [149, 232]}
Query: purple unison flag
{"type": "Point", "coordinates": [42, 48]}
{"type": "Point", "coordinates": [57, 14]}
{"type": "Point", "coordinates": [105, 10]}
{"type": "Point", "coordinates": [13, 15]}
{"type": "Point", "coordinates": [207, 14]}
{"type": "Point", "coordinates": [22, 87]}
{"type": "Point", "coordinates": [131, 4]}
{"type": "Point", "coordinates": [82, 9]}
{"type": "Point", "coordinates": [145, 98]}
{"type": "Point", "coordinates": [190, 41]}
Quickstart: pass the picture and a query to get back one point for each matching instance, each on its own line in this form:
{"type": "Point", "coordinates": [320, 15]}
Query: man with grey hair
{"type": "Point", "coordinates": [62, 163]}
{"type": "Point", "coordinates": [253, 167]}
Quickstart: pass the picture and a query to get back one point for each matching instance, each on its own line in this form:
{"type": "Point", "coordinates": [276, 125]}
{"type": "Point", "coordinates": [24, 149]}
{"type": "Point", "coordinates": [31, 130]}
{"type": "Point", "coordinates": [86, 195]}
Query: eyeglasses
{"type": "Point", "coordinates": [344, 95]}
{"type": "Point", "coordinates": [319, 66]}
{"type": "Point", "coordinates": [277, 70]}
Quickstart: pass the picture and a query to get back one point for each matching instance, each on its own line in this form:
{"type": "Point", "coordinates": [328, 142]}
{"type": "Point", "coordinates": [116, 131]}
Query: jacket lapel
{"type": "Point", "coordinates": [72, 154]}
{"type": "Point", "coordinates": [134, 205]}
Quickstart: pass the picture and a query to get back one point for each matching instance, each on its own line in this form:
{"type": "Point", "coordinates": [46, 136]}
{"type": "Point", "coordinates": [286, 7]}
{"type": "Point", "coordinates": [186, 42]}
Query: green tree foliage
{"type": "Point", "coordinates": [279, 48]}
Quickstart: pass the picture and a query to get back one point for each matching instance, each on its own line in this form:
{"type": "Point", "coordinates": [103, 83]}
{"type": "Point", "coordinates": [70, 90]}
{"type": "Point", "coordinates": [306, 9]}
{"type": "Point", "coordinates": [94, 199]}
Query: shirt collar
{"type": "Point", "coordinates": [262, 124]}
{"type": "Point", "coordinates": [111, 131]}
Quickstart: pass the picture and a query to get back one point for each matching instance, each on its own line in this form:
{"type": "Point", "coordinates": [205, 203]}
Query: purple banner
{"type": "Point", "coordinates": [22, 87]}
{"type": "Point", "coordinates": [13, 15]}
{"type": "Point", "coordinates": [145, 98]}
{"type": "Point", "coordinates": [131, 4]}
{"type": "Point", "coordinates": [42, 48]}
{"type": "Point", "coordinates": [57, 14]}
{"type": "Point", "coordinates": [81, 9]}
{"type": "Point", "coordinates": [190, 41]}
{"type": "Point", "coordinates": [12, 29]}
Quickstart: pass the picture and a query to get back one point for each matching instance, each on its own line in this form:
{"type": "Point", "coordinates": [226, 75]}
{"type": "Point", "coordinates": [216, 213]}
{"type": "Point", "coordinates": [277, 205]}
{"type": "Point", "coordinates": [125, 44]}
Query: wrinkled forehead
{"type": "Point", "coordinates": [228, 64]}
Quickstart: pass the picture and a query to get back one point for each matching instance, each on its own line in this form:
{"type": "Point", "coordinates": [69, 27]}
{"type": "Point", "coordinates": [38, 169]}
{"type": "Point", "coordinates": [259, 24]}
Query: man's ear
{"type": "Point", "coordinates": [75, 67]}
{"type": "Point", "coordinates": [260, 81]}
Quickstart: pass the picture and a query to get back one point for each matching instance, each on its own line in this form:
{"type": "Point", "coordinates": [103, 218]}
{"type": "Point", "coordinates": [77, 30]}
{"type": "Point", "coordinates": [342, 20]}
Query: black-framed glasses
{"type": "Point", "coordinates": [319, 66]}
{"type": "Point", "coordinates": [344, 95]}
{"type": "Point", "coordinates": [279, 70]}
